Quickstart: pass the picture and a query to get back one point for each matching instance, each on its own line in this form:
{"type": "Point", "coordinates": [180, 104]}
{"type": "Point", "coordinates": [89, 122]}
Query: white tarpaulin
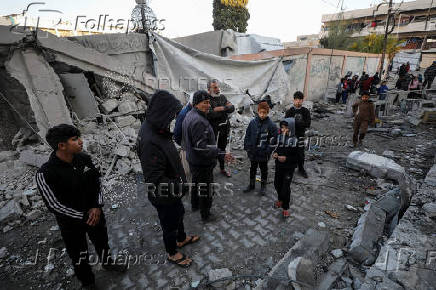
{"type": "Point", "coordinates": [183, 70]}
{"type": "Point", "coordinates": [404, 56]}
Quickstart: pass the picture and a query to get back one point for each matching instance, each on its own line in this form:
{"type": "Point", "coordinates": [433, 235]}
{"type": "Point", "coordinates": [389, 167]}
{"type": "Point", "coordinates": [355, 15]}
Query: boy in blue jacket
{"type": "Point", "coordinates": [260, 133]}
{"type": "Point", "coordinates": [286, 156]}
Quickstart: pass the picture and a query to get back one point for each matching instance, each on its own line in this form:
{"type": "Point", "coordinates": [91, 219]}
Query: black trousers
{"type": "Point", "coordinates": [428, 81]}
{"type": "Point", "coordinates": [282, 184]}
{"type": "Point", "coordinates": [201, 193]}
{"type": "Point", "coordinates": [171, 221]}
{"type": "Point", "coordinates": [222, 140]}
{"type": "Point", "coordinates": [74, 235]}
{"type": "Point", "coordinates": [263, 170]}
{"type": "Point", "coordinates": [300, 155]}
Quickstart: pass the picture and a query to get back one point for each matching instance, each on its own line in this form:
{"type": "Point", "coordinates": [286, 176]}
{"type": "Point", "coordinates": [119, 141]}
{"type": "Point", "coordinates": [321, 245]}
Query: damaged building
{"type": "Point", "coordinates": [356, 206]}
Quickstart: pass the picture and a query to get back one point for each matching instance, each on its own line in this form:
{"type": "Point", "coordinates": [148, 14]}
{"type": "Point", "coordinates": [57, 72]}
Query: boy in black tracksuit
{"type": "Point", "coordinates": [286, 156]}
{"type": "Point", "coordinates": [302, 122]}
{"type": "Point", "coordinates": [70, 187]}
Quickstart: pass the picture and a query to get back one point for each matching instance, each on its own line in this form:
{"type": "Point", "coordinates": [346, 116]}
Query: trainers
{"type": "Point", "coordinates": [286, 213]}
{"type": "Point", "coordinates": [278, 204]}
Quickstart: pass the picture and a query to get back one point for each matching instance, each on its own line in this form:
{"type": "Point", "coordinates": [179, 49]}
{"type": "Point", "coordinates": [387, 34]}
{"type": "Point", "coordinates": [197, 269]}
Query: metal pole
{"type": "Point", "coordinates": [385, 41]}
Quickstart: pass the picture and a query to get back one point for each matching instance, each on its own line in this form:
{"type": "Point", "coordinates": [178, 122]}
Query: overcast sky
{"type": "Point", "coordinates": [284, 19]}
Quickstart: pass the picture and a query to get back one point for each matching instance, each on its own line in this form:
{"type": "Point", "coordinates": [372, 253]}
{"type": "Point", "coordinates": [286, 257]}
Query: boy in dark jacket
{"type": "Point", "coordinates": [70, 187]}
{"type": "Point", "coordinates": [260, 132]}
{"type": "Point", "coordinates": [164, 175]}
{"type": "Point", "coordinates": [364, 114]}
{"type": "Point", "coordinates": [302, 122]}
{"type": "Point", "coordinates": [286, 156]}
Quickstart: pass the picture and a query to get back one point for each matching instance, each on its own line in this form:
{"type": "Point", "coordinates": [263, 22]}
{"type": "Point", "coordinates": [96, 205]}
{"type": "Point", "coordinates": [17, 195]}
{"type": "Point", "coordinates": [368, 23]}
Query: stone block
{"type": "Point", "coordinates": [10, 211]}
{"type": "Point", "coordinates": [369, 229]}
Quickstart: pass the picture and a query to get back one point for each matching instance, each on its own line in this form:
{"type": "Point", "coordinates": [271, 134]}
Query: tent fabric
{"type": "Point", "coordinates": [183, 70]}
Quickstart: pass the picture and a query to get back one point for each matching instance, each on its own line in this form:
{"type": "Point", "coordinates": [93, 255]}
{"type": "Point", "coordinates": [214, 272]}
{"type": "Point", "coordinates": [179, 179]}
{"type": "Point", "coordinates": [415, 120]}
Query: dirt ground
{"type": "Point", "coordinates": [249, 237]}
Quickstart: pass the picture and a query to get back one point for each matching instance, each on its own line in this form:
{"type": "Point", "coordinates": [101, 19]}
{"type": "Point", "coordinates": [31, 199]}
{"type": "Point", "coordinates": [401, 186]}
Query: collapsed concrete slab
{"type": "Point", "coordinates": [79, 95]}
{"type": "Point", "coordinates": [368, 231]}
{"type": "Point", "coordinates": [43, 88]}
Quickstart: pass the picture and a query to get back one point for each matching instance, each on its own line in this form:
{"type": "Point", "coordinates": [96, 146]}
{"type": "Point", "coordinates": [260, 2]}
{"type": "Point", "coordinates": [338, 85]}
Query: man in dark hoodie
{"type": "Point", "coordinates": [201, 153]}
{"type": "Point", "coordinates": [164, 175]}
{"type": "Point", "coordinates": [218, 116]}
{"type": "Point", "coordinates": [302, 122]}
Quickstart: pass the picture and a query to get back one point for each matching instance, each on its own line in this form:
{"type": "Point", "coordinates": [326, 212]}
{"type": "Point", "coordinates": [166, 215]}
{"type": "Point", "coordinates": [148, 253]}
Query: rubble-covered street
{"type": "Point", "coordinates": [249, 238]}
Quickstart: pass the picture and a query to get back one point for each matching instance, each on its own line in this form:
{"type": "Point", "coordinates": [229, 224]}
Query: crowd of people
{"type": "Point", "coordinates": [350, 85]}
{"type": "Point", "coordinates": [70, 183]}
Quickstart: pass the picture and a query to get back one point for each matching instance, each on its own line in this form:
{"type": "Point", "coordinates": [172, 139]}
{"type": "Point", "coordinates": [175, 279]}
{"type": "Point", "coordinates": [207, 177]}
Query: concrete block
{"type": "Point", "coordinates": [10, 211]}
{"type": "Point", "coordinates": [375, 165]}
{"type": "Point", "coordinates": [109, 105]}
{"type": "Point", "coordinates": [8, 155]}
{"type": "Point", "coordinates": [79, 95]}
{"type": "Point", "coordinates": [430, 209]}
{"type": "Point", "coordinates": [369, 229]}
{"type": "Point", "coordinates": [218, 274]}
{"type": "Point", "coordinates": [390, 203]}
{"type": "Point", "coordinates": [126, 107]}
{"type": "Point", "coordinates": [32, 158]}
{"type": "Point", "coordinates": [125, 121]}
{"type": "Point", "coordinates": [431, 176]}
{"type": "Point", "coordinates": [334, 273]}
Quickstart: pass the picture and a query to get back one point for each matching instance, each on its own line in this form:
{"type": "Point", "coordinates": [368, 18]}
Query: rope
{"type": "Point", "coordinates": [24, 119]}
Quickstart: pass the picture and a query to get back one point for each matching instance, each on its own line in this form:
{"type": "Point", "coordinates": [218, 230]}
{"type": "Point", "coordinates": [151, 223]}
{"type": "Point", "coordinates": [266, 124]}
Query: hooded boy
{"type": "Point", "coordinates": [286, 156]}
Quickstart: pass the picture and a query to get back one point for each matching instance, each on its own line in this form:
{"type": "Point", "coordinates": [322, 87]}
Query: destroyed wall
{"type": "Point", "coordinates": [317, 71]}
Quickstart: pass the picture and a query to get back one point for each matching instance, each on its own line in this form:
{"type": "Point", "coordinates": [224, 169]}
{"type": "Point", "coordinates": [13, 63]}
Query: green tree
{"type": "Point", "coordinates": [230, 14]}
{"type": "Point", "coordinates": [338, 36]}
{"type": "Point", "coordinates": [373, 43]}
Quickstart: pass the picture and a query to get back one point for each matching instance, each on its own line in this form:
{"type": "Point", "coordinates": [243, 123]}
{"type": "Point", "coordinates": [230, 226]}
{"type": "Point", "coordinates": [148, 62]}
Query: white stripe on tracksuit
{"type": "Point", "coordinates": [51, 200]}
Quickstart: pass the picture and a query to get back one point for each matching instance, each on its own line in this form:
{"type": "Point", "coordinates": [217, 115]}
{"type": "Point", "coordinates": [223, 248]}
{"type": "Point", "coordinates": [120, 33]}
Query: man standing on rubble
{"type": "Point", "coordinates": [302, 122]}
{"type": "Point", "coordinates": [218, 116]}
{"type": "Point", "coordinates": [201, 152]}
{"type": "Point", "coordinates": [163, 174]}
{"type": "Point", "coordinates": [70, 187]}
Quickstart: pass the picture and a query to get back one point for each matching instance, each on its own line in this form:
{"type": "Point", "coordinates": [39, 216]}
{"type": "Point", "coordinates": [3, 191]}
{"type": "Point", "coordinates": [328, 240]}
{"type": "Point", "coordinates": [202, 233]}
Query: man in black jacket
{"type": "Point", "coordinates": [218, 116]}
{"type": "Point", "coordinates": [70, 187]}
{"type": "Point", "coordinates": [302, 122]}
{"type": "Point", "coordinates": [429, 75]}
{"type": "Point", "coordinates": [201, 153]}
{"type": "Point", "coordinates": [164, 175]}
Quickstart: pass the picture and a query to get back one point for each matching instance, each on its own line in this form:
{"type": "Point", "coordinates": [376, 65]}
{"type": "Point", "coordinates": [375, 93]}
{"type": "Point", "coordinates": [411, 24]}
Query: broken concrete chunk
{"type": "Point", "coordinates": [122, 150]}
{"type": "Point", "coordinates": [431, 176]}
{"type": "Point", "coordinates": [109, 105]}
{"type": "Point", "coordinates": [125, 121]}
{"type": "Point", "coordinates": [430, 209]}
{"type": "Point", "coordinates": [8, 155]}
{"type": "Point", "coordinates": [375, 165]}
{"type": "Point", "coordinates": [388, 153]}
{"type": "Point", "coordinates": [127, 107]}
{"type": "Point", "coordinates": [10, 211]}
{"type": "Point", "coordinates": [337, 253]}
{"type": "Point", "coordinates": [3, 252]}
{"type": "Point", "coordinates": [369, 229]}
{"type": "Point", "coordinates": [32, 158]}
{"type": "Point", "coordinates": [218, 274]}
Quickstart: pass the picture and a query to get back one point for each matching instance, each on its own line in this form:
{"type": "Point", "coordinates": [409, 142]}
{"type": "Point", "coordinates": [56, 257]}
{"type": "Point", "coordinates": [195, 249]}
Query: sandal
{"type": "Point", "coordinates": [226, 173]}
{"type": "Point", "coordinates": [286, 214]}
{"type": "Point", "coordinates": [192, 240]}
{"type": "Point", "coordinates": [278, 204]}
{"type": "Point", "coordinates": [178, 262]}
